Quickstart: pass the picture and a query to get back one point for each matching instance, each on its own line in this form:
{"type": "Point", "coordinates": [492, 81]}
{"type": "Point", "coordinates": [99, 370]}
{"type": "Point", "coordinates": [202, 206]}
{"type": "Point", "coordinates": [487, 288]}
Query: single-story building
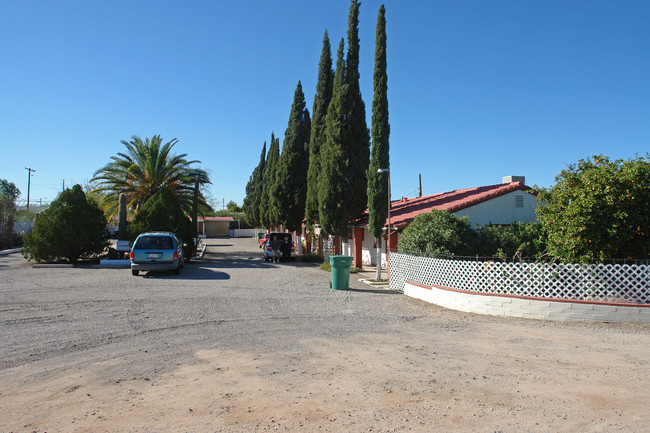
{"type": "Point", "coordinates": [505, 203]}
{"type": "Point", "coordinates": [214, 226]}
{"type": "Point", "coordinates": [207, 226]}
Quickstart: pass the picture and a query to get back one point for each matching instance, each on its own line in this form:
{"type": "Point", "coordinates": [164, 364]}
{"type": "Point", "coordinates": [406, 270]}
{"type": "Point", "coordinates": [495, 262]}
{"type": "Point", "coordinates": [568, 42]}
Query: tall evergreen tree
{"type": "Point", "coordinates": [269, 215]}
{"type": "Point", "coordinates": [333, 182]}
{"type": "Point", "coordinates": [344, 161]}
{"type": "Point", "coordinates": [358, 138]}
{"type": "Point", "coordinates": [380, 130]}
{"type": "Point", "coordinates": [254, 192]}
{"type": "Point", "coordinates": [317, 137]}
{"type": "Point", "coordinates": [290, 188]}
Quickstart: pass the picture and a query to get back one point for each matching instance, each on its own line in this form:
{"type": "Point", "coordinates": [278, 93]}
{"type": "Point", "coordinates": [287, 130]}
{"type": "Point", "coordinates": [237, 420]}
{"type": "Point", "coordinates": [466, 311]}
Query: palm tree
{"type": "Point", "coordinates": [143, 170]}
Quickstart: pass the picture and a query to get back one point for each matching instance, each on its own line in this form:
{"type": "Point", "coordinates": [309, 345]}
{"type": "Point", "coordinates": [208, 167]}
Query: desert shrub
{"type": "Point", "coordinates": [71, 228]}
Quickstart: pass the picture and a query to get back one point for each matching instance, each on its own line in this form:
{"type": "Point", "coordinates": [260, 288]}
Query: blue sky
{"type": "Point", "coordinates": [477, 89]}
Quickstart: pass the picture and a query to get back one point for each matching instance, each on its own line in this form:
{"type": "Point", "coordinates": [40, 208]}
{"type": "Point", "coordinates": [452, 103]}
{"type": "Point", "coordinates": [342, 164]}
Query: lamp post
{"type": "Point", "coordinates": [387, 170]}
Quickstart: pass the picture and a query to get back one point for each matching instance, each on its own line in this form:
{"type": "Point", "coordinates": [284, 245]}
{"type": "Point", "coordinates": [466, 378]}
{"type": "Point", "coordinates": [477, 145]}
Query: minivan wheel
{"type": "Point", "coordinates": [135, 272]}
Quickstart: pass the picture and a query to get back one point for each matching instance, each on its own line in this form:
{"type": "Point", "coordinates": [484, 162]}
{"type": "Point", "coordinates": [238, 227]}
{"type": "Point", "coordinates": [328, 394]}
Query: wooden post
{"type": "Point", "coordinates": [358, 247]}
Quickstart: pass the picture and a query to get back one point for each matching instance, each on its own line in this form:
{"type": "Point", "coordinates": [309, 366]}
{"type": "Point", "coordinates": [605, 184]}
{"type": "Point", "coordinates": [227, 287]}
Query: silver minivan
{"type": "Point", "coordinates": [157, 251]}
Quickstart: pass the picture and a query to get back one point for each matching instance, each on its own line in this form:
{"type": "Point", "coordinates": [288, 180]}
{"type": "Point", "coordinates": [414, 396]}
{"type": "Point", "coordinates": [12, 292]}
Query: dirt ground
{"type": "Point", "coordinates": [433, 370]}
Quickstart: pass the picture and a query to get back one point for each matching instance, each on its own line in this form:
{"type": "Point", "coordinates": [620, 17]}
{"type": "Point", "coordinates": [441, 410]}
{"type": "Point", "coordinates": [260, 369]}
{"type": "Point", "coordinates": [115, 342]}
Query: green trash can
{"type": "Point", "coordinates": [341, 272]}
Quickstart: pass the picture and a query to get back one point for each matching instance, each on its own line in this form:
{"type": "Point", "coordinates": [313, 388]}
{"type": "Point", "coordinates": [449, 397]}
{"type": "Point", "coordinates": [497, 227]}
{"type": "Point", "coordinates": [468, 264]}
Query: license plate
{"type": "Point", "coordinates": [153, 255]}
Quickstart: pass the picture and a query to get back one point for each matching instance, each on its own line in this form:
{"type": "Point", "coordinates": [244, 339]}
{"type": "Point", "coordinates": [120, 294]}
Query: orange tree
{"type": "Point", "coordinates": [598, 209]}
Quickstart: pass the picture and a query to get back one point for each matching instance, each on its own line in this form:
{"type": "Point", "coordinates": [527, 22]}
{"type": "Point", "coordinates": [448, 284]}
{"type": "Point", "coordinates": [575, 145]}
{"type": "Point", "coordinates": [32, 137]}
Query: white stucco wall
{"type": "Point", "coordinates": [368, 255]}
{"type": "Point", "coordinates": [368, 251]}
{"type": "Point", "coordinates": [502, 210]}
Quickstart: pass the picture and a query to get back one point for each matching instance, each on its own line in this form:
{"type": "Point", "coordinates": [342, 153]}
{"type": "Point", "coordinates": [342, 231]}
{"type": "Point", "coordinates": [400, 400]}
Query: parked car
{"type": "Point", "coordinates": [263, 239]}
{"type": "Point", "coordinates": [287, 251]}
{"type": "Point", "coordinates": [157, 251]}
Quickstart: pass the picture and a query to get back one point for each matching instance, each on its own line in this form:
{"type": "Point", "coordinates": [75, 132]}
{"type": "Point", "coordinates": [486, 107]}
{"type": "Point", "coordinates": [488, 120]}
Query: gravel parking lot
{"type": "Point", "coordinates": [238, 344]}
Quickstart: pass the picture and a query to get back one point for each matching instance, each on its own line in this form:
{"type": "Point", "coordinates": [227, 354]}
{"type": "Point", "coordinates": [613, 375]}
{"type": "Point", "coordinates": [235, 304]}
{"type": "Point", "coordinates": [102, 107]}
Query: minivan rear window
{"type": "Point", "coordinates": [154, 242]}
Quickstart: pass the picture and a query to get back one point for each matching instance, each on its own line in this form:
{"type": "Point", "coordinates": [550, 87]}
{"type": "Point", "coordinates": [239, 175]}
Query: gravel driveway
{"type": "Point", "coordinates": [235, 343]}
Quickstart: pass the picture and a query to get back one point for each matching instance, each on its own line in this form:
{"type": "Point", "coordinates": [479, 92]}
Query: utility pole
{"type": "Point", "coordinates": [420, 177]}
{"type": "Point", "coordinates": [29, 180]}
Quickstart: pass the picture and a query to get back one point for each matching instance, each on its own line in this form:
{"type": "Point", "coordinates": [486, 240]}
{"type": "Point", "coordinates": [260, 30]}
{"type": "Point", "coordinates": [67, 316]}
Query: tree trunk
{"type": "Point", "coordinates": [378, 252]}
{"type": "Point", "coordinates": [324, 247]}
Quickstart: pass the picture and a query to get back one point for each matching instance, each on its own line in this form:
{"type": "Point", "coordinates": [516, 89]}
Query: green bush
{"type": "Point", "coordinates": [438, 233]}
{"type": "Point", "coordinates": [71, 228]}
{"type": "Point", "coordinates": [162, 212]}
{"type": "Point", "coordinates": [508, 241]}
{"type": "Point", "coordinates": [441, 233]}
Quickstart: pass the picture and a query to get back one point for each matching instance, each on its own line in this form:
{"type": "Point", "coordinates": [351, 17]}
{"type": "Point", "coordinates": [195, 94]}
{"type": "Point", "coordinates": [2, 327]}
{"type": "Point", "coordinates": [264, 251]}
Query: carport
{"type": "Point", "coordinates": [212, 227]}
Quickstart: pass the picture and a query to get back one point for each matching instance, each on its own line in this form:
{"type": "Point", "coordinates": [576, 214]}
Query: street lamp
{"type": "Point", "coordinates": [387, 170]}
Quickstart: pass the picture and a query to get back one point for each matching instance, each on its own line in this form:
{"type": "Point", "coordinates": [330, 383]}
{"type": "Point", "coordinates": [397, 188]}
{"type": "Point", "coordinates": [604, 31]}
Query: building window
{"type": "Point", "coordinates": [519, 201]}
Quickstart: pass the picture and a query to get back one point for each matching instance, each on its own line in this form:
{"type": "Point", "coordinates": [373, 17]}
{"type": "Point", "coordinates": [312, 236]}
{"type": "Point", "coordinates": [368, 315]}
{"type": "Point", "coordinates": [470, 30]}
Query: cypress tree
{"type": "Point", "coordinates": [121, 228]}
{"type": "Point", "coordinates": [317, 136]}
{"type": "Point", "coordinates": [357, 135]}
{"type": "Point", "coordinates": [344, 162]}
{"type": "Point", "coordinates": [333, 182]}
{"type": "Point", "coordinates": [268, 211]}
{"type": "Point", "coordinates": [378, 182]}
{"type": "Point", "coordinates": [259, 184]}
{"type": "Point", "coordinates": [290, 187]}
{"type": "Point", "coordinates": [380, 130]}
{"type": "Point", "coordinates": [254, 188]}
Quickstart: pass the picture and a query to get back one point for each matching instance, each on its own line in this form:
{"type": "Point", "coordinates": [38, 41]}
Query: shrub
{"type": "Point", "coordinates": [163, 212]}
{"type": "Point", "coordinates": [71, 228]}
{"type": "Point", "coordinates": [438, 233]}
{"type": "Point", "coordinates": [508, 241]}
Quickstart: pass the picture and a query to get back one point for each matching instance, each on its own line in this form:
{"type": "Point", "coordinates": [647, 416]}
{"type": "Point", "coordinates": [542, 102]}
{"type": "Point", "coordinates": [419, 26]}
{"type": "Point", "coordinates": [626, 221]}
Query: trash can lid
{"type": "Point", "coordinates": [341, 260]}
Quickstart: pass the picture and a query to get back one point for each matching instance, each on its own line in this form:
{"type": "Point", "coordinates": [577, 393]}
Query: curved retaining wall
{"type": "Point", "coordinates": [529, 307]}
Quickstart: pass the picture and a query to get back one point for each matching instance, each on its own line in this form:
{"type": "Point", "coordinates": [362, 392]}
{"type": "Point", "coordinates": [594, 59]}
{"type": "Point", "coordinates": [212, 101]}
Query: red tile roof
{"type": "Point", "coordinates": [403, 211]}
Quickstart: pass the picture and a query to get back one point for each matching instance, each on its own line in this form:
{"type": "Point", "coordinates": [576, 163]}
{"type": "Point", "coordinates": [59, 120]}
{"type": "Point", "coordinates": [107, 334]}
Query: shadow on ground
{"type": "Point", "coordinates": [245, 260]}
{"type": "Point", "coordinates": [194, 270]}
{"type": "Point", "coordinates": [377, 291]}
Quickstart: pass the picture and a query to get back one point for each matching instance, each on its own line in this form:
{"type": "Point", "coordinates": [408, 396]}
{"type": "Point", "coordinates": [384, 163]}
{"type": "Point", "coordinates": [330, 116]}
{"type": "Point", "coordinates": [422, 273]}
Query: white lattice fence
{"type": "Point", "coordinates": [604, 283]}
